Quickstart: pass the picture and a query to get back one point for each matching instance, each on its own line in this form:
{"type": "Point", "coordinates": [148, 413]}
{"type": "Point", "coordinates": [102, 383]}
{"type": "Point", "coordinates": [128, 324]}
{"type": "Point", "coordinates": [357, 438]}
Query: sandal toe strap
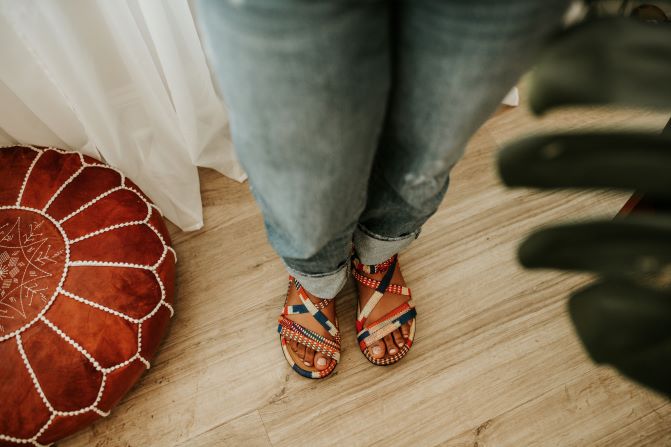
{"type": "Point", "coordinates": [304, 336]}
{"type": "Point", "coordinates": [369, 334]}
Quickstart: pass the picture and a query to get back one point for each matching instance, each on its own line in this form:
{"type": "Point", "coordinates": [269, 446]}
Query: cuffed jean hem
{"type": "Point", "coordinates": [375, 249]}
{"type": "Point", "coordinates": [323, 285]}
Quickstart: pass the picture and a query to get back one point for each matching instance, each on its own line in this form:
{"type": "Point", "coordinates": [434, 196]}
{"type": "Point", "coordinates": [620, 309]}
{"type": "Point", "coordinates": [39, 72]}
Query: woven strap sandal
{"type": "Point", "coordinates": [290, 330]}
{"type": "Point", "coordinates": [368, 333]}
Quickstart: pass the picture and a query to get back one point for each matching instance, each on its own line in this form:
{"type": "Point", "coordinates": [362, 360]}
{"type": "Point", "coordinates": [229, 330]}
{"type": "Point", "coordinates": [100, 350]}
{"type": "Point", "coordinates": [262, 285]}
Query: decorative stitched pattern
{"type": "Point", "coordinates": [386, 361]}
{"type": "Point", "coordinates": [316, 313]}
{"type": "Point", "coordinates": [377, 268]}
{"type": "Point", "coordinates": [374, 284]}
{"type": "Point", "coordinates": [368, 336]}
{"type": "Point", "coordinates": [320, 305]}
{"type": "Point", "coordinates": [378, 294]}
{"type": "Point", "coordinates": [289, 325]}
{"type": "Point", "coordinates": [294, 310]}
{"type": "Point", "coordinates": [290, 331]}
{"type": "Point", "coordinates": [391, 315]}
{"type": "Point", "coordinates": [33, 262]}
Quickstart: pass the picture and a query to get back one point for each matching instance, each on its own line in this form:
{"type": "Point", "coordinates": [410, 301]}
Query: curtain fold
{"type": "Point", "coordinates": [125, 80]}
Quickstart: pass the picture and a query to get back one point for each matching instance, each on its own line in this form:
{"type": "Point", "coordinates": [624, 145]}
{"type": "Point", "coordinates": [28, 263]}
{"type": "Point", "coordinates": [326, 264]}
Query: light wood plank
{"type": "Point", "coordinates": [594, 409]}
{"type": "Point", "coordinates": [246, 430]}
{"type": "Point", "coordinates": [651, 429]}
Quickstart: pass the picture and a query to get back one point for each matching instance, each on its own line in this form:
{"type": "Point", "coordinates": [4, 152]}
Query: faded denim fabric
{"type": "Point", "coordinates": [349, 115]}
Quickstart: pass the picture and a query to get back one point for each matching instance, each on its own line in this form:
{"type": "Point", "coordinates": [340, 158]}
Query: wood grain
{"type": "Point", "coordinates": [496, 361]}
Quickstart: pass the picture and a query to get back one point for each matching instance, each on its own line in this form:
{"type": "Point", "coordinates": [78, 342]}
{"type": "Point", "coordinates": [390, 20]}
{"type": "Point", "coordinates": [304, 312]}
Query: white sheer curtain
{"type": "Point", "coordinates": [125, 80]}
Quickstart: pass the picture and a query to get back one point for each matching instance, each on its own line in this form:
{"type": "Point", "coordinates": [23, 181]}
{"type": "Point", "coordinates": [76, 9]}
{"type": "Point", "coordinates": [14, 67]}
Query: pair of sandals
{"type": "Point", "coordinates": [368, 333]}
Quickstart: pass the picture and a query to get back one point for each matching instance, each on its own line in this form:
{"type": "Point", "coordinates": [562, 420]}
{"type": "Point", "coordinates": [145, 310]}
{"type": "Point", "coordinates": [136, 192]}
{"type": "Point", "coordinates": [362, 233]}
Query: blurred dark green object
{"type": "Point", "coordinates": [624, 319]}
{"type": "Point", "coordinates": [627, 326]}
{"type": "Point", "coordinates": [603, 61]}
{"type": "Point", "coordinates": [629, 160]}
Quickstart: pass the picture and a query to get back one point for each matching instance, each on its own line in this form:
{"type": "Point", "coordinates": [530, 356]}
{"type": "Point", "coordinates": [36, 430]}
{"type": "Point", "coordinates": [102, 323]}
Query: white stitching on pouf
{"type": "Point", "coordinates": [68, 264]}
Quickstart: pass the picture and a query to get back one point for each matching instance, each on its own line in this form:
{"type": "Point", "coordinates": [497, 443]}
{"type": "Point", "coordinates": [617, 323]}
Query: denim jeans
{"type": "Point", "coordinates": [349, 115]}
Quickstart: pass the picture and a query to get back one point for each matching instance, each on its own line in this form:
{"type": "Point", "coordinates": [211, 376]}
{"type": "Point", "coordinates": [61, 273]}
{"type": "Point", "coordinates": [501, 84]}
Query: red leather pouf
{"type": "Point", "coordinates": [86, 288]}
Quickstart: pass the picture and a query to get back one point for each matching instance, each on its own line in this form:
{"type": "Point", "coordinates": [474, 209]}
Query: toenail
{"type": "Point", "coordinates": [377, 350]}
{"type": "Point", "coordinates": [306, 363]}
{"type": "Point", "coordinates": [392, 351]}
{"type": "Point", "coordinates": [321, 361]}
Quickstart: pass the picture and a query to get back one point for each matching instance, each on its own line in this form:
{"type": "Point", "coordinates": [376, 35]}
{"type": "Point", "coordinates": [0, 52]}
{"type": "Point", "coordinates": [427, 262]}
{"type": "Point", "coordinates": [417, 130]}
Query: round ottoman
{"type": "Point", "coordinates": [86, 287]}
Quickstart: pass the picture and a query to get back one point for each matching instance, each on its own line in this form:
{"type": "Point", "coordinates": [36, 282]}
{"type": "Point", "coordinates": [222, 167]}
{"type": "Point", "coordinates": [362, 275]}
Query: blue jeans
{"type": "Point", "coordinates": [349, 115]}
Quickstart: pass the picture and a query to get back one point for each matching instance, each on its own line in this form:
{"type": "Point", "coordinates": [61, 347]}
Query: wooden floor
{"type": "Point", "coordinates": [495, 363]}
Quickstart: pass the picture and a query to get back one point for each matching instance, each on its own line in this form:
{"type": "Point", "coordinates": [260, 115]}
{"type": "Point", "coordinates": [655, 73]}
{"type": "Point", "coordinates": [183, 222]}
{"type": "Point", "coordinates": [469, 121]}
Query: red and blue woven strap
{"type": "Point", "coordinates": [313, 309]}
{"type": "Point", "coordinates": [377, 268]}
{"type": "Point", "coordinates": [370, 333]}
{"type": "Point", "coordinates": [293, 331]}
{"type": "Point", "coordinates": [374, 284]}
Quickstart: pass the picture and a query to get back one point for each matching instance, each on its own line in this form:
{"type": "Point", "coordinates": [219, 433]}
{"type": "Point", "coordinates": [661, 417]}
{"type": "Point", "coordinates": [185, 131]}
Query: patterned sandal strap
{"type": "Point", "coordinates": [381, 287]}
{"type": "Point", "coordinates": [300, 308]}
{"type": "Point", "coordinates": [374, 284]}
{"type": "Point", "coordinates": [377, 268]}
{"type": "Point", "coordinates": [393, 320]}
{"type": "Point", "coordinates": [296, 309]}
{"type": "Point", "coordinates": [314, 309]}
{"type": "Point", "coordinates": [290, 330]}
{"type": "Point", "coordinates": [294, 331]}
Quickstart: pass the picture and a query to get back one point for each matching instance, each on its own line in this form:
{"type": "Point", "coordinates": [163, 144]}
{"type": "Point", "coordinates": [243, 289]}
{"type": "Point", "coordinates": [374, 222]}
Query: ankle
{"type": "Point", "coordinates": [381, 267]}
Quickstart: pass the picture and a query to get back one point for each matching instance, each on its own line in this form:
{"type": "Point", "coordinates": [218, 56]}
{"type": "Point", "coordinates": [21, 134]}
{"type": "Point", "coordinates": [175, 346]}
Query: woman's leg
{"type": "Point", "coordinates": [453, 62]}
{"type": "Point", "coordinates": [306, 84]}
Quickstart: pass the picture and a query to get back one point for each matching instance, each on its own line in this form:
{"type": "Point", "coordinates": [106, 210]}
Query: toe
{"type": "Point", "coordinates": [293, 344]}
{"type": "Point", "coordinates": [309, 357]}
{"type": "Point", "coordinates": [377, 350]}
{"type": "Point", "coordinates": [321, 361]}
{"type": "Point", "coordinates": [391, 346]}
{"type": "Point", "coordinates": [300, 351]}
{"type": "Point", "coordinates": [405, 329]}
{"type": "Point", "coordinates": [398, 338]}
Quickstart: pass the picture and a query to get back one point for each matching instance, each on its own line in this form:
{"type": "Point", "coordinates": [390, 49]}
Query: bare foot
{"type": "Point", "coordinates": [391, 343]}
{"type": "Point", "coordinates": [307, 358]}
